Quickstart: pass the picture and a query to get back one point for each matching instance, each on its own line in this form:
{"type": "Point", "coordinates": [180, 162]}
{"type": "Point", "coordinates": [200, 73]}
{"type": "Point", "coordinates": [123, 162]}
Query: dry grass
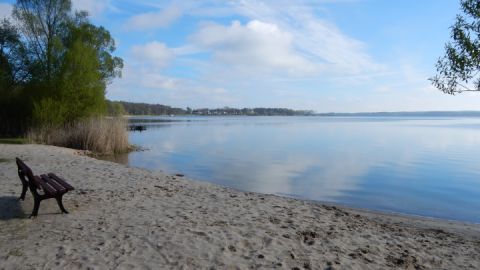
{"type": "Point", "coordinates": [99, 135]}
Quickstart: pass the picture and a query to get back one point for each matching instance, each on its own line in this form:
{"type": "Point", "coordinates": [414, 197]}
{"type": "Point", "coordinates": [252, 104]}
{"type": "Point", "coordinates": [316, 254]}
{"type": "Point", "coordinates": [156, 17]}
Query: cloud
{"type": "Point", "coordinates": [145, 65]}
{"type": "Point", "coordinates": [147, 85]}
{"type": "Point", "coordinates": [317, 38]}
{"type": "Point", "coordinates": [5, 10]}
{"type": "Point", "coordinates": [280, 40]}
{"type": "Point", "coordinates": [324, 41]}
{"type": "Point", "coordinates": [141, 84]}
{"type": "Point", "coordinates": [252, 46]}
{"type": "Point", "coordinates": [154, 20]}
{"type": "Point", "coordinates": [143, 73]}
{"type": "Point", "coordinates": [154, 53]}
{"type": "Point", "coordinates": [249, 54]}
{"type": "Point", "coordinates": [93, 7]}
{"type": "Point", "coordinates": [156, 81]}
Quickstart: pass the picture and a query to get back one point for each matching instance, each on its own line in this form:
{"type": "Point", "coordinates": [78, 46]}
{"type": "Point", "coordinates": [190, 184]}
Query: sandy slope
{"type": "Point", "coordinates": [127, 218]}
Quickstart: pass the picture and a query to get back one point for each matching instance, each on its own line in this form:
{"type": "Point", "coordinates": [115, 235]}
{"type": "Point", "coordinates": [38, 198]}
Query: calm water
{"type": "Point", "coordinates": [421, 166]}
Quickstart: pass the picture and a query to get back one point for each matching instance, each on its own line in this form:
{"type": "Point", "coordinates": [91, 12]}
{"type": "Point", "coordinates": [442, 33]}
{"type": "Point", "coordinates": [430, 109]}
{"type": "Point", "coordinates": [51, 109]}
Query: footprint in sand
{"type": "Point", "coordinates": [308, 237]}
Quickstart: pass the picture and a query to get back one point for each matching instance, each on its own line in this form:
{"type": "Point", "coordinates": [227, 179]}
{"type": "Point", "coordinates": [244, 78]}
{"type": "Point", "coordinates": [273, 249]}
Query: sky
{"type": "Point", "coordinates": [321, 55]}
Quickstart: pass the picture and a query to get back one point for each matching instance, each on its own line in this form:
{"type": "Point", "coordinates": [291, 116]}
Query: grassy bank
{"type": "Point", "coordinates": [13, 140]}
{"type": "Point", "coordinates": [99, 135]}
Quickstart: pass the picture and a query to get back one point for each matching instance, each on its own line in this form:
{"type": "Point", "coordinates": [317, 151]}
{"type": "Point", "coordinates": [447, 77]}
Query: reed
{"type": "Point", "coordinates": [98, 135]}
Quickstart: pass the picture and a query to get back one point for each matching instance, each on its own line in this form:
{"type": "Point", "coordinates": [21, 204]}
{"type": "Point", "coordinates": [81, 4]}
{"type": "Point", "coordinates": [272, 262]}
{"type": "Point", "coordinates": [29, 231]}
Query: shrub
{"type": "Point", "coordinates": [99, 135]}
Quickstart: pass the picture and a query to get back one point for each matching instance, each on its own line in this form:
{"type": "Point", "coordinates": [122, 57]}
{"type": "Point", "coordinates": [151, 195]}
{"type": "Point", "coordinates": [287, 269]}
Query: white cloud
{"type": "Point", "coordinates": [143, 71]}
{"type": "Point", "coordinates": [141, 84]}
{"type": "Point", "coordinates": [322, 41]}
{"type": "Point", "coordinates": [145, 65]}
{"type": "Point", "coordinates": [154, 53]}
{"type": "Point", "coordinates": [147, 85]}
{"type": "Point", "coordinates": [94, 7]}
{"type": "Point", "coordinates": [278, 45]}
{"type": "Point", "coordinates": [345, 54]}
{"type": "Point", "coordinates": [255, 45]}
{"type": "Point", "coordinates": [281, 40]}
{"type": "Point", "coordinates": [153, 20]}
{"type": "Point", "coordinates": [5, 10]}
{"type": "Point", "coordinates": [156, 81]}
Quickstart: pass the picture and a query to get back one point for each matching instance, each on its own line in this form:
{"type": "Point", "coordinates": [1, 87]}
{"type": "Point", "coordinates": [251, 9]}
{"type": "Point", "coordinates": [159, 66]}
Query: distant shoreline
{"type": "Point", "coordinates": [409, 114]}
{"type": "Point", "coordinates": [137, 109]}
{"type": "Point", "coordinates": [334, 114]}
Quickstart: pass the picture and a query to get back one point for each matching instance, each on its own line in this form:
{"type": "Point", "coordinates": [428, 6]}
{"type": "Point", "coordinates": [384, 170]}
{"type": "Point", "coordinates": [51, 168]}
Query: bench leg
{"type": "Point", "coordinates": [36, 206]}
{"type": "Point", "coordinates": [24, 191]}
{"type": "Point", "coordinates": [60, 204]}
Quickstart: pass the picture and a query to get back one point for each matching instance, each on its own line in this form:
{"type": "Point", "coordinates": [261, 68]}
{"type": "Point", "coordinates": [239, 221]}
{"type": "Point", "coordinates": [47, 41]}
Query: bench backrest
{"type": "Point", "coordinates": [25, 171]}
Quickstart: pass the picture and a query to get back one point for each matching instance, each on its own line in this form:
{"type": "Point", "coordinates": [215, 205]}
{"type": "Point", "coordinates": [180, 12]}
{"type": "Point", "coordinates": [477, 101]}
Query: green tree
{"type": "Point", "coordinates": [14, 107]}
{"type": "Point", "coordinates": [67, 62]}
{"type": "Point", "coordinates": [459, 69]}
{"type": "Point", "coordinates": [86, 67]}
{"type": "Point", "coordinates": [43, 23]}
{"type": "Point", "coordinates": [12, 54]}
{"type": "Point", "coordinates": [115, 108]}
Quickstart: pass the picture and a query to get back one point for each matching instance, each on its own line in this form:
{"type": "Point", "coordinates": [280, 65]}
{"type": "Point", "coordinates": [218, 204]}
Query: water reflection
{"type": "Point", "coordinates": [425, 166]}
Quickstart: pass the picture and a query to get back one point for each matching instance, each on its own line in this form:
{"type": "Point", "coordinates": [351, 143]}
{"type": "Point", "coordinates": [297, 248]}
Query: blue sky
{"type": "Point", "coordinates": [324, 55]}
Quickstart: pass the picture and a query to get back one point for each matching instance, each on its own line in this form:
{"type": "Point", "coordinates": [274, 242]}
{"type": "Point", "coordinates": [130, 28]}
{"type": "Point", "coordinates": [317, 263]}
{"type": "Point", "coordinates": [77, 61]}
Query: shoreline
{"type": "Point", "coordinates": [123, 216]}
{"type": "Point", "coordinates": [113, 159]}
{"type": "Point", "coordinates": [339, 205]}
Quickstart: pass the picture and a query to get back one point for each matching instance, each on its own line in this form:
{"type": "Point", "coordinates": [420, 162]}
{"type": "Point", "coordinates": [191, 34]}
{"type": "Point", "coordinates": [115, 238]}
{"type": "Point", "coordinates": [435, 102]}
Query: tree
{"type": "Point", "coordinates": [459, 69]}
{"type": "Point", "coordinates": [42, 23]}
{"type": "Point", "coordinates": [14, 107]}
{"type": "Point", "coordinates": [61, 62]}
{"type": "Point", "coordinates": [12, 54]}
{"type": "Point", "coordinates": [115, 108]}
{"type": "Point", "coordinates": [85, 69]}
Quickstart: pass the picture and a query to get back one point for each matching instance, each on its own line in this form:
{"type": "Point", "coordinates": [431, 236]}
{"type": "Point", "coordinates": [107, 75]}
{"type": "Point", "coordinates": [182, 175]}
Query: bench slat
{"type": "Point", "coordinates": [45, 186]}
{"type": "Point", "coordinates": [61, 181]}
{"type": "Point", "coordinates": [59, 188]}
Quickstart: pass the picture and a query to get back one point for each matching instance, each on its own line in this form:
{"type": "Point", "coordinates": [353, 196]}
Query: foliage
{"type": "Point", "coordinates": [12, 55]}
{"type": "Point", "coordinates": [149, 109]}
{"type": "Point", "coordinates": [458, 70]}
{"type": "Point", "coordinates": [42, 24]}
{"type": "Point", "coordinates": [158, 109]}
{"type": "Point", "coordinates": [252, 112]}
{"type": "Point", "coordinates": [115, 108]}
{"type": "Point", "coordinates": [55, 66]}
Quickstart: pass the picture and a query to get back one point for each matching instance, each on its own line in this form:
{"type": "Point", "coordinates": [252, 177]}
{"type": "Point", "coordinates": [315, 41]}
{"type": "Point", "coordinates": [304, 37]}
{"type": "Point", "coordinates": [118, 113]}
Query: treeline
{"type": "Point", "coordinates": [54, 66]}
{"type": "Point", "coordinates": [131, 108]}
{"type": "Point", "coordinates": [251, 112]}
{"type": "Point", "coordinates": [123, 107]}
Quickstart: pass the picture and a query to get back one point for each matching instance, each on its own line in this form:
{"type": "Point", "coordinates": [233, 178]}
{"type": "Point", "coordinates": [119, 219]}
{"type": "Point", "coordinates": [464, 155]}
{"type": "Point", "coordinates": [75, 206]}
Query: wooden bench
{"type": "Point", "coordinates": [51, 186]}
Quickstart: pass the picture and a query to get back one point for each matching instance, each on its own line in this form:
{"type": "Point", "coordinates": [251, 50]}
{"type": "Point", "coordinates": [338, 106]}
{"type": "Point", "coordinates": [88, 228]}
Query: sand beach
{"type": "Point", "coordinates": [130, 218]}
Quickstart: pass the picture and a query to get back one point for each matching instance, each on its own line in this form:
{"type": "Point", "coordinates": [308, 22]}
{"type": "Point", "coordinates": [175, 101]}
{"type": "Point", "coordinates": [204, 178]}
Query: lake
{"type": "Point", "coordinates": [419, 166]}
